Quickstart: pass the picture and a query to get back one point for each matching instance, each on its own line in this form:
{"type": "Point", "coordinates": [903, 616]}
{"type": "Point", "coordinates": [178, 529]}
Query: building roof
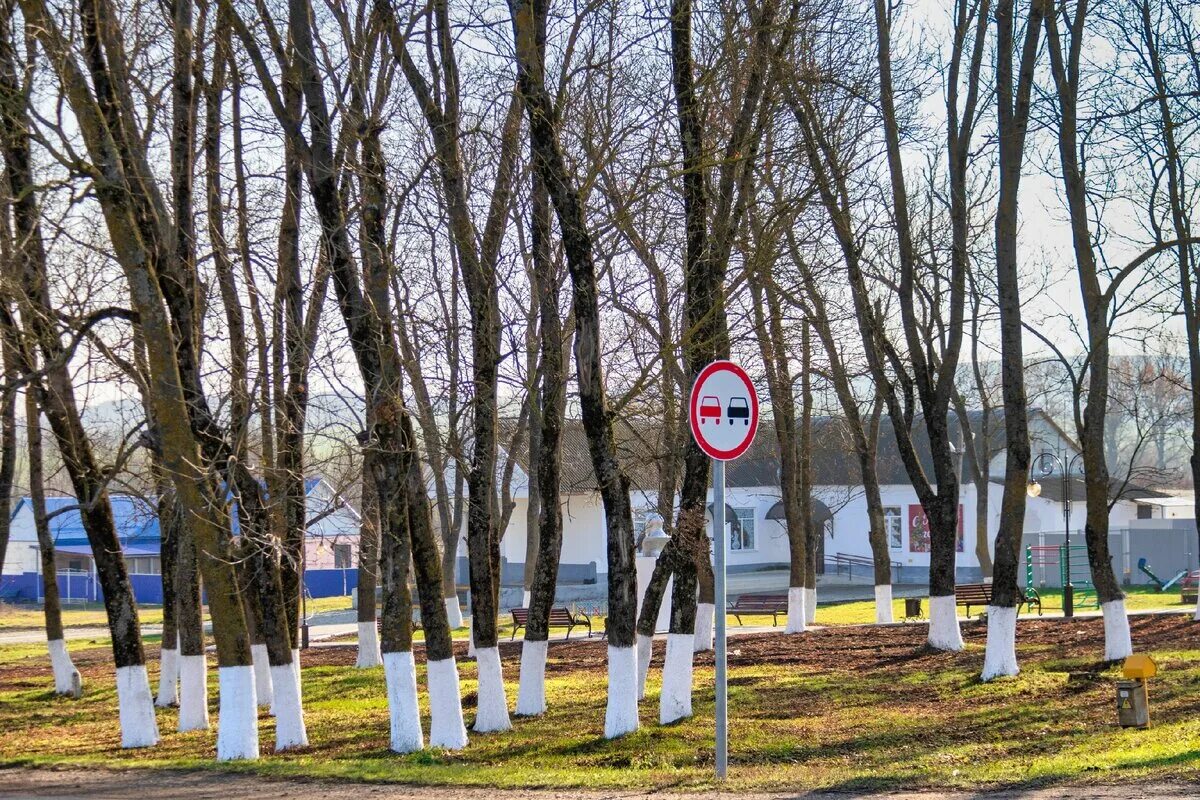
{"type": "Point", "coordinates": [136, 520]}
{"type": "Point", "coordinates": [834, 463]}
{"type": "Point", "coordinates": [1119, 489]}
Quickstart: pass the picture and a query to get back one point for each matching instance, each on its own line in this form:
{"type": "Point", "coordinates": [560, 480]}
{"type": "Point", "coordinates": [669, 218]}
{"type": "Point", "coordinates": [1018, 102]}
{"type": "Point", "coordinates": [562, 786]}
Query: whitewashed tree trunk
{"type": "Point", "coordinates": [675, 701]}
{"type": "Point", "coordinates": [883, 604]}
{"type": "Point", "coordinates": [168, 674]}
{"type": "Point", "coordinates": [290, 730]}
{"type": "Point", "coordinates": [1117, 642]}
{"type": "Point", "coordinates": [797, 610]}
{"type": "Point", "coordinates": [810, 606]}
{"type": "Point", "coordinates": [944, 632]}
{"type": "Point", "coordinates": [645, 649]}
{"type": "Point", "coordinates": [1196, 616]}
{"type": "Point", "coordinates": [491, 713]}
{"type": "Point", "coordinates": [454, 612]}
{"type": "Point", "coordinates": [66, 678]}
{"type": "Point", "coordinates": [526, 599]}
{"type": "Point", "coordinates": [368, 646]}
{"type": "Point", "coordinates": [237, 725]}
{"type": "Point", "coordinates": [531, 692]}
{"type": "Point", "coordinates": [135, 707]}
{"type": "Point", "coordinates": [621, 715]}
{"type": "Point", "coordinates": [446, 728]}
{"type": "Point", "coordinates": [1000, 655]}
{"type": "Point", "coordinates": [193, 693]}
{"type": "Point", "coordinates": [262, 677]}
{"type": "Point", "coordinates": [400, 674]}
{"type": "Point", "coordinates": [705, 617]}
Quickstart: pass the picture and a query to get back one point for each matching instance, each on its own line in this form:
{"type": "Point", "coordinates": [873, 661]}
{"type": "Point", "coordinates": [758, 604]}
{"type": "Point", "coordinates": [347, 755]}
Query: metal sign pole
{"type": "Point", "coordinates": [720, 544]}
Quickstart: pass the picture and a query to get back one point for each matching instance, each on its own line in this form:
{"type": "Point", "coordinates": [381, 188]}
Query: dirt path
{"type": "Point", "coordinates": [105, 784]}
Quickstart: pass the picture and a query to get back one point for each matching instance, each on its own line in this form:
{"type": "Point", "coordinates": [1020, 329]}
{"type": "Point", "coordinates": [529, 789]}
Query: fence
{"type": "Point", "coordinates": [1167, 550]}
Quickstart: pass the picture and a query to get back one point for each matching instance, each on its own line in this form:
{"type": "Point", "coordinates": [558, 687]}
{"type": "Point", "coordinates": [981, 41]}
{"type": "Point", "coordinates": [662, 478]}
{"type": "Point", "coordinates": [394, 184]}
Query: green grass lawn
{"type": "Point", "coordinates": [1137, 598]}
{"type": "Point", "coordinates": [853, 709]}
{"type": "Point", "coordinates": [91, 615]}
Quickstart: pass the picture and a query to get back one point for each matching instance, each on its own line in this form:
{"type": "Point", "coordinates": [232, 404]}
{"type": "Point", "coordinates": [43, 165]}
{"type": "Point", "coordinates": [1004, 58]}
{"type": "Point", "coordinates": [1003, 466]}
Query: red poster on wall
{"type": "Point", "coordinates": [918, 530]}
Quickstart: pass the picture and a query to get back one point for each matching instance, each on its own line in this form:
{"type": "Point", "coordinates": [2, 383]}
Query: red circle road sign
{"type": "Point", "coordinates": [723, 410]}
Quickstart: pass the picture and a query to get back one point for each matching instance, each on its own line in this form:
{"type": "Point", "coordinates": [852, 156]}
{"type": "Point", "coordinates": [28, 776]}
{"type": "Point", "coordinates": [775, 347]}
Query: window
{"type": "Point", "coordinates": [741, 534]}
{"type": "Point", "coordinates": [894, 526]}
{"type": "Point", "coordinates": [341, 556]}
{"type": "Point", "coordinates": [1145, 511]}
{"type": "Point", "coordinates": [75, 565]}
{"type": "Point", "coordinates": [144, 565]}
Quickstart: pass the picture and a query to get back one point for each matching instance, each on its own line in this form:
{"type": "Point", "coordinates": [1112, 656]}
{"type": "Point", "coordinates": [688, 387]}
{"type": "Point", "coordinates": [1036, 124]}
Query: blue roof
{"type": "Point", "coordinates": [136, 522]}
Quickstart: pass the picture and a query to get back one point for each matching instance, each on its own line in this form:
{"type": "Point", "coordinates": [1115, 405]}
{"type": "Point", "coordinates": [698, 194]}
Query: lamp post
{"type": "Point", "coordinates": [1044, 464]}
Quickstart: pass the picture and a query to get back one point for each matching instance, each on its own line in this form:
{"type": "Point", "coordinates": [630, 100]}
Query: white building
{"type": "Point", "coordinates": [753, 494]}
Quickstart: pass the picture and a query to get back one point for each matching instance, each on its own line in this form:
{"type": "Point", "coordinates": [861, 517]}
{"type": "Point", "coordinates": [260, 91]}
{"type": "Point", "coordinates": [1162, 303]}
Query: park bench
{"type": "Point", "coordinates": [980, 594]}
{"type": "Point", "coordinates": [773, 604]}
{"type": "Point", "coordinates": [559, 618]}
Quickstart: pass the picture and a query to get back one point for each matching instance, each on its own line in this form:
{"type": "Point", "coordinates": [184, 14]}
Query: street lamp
{"type": "Point", "coordinates": [1044, 464]}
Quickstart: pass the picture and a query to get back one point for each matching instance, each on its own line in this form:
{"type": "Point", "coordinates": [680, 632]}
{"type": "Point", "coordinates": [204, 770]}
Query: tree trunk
{"type": "Point", "coordinates": [138, 725]}
{"type": "Point", "coordinates": [168, 678]}
{"type": "Point", "coordinates": [369, 559]}
{"type": "Point", "coordinates": [66, 677]}
{"type": "Point", "coordinates": [621, 714]}
{"type": "Point", "coordinates": [1066, 73]}
{"type": "Point", "coordinates": [769, 330]}
{"type": "Point", "coordinates": [531, 699]}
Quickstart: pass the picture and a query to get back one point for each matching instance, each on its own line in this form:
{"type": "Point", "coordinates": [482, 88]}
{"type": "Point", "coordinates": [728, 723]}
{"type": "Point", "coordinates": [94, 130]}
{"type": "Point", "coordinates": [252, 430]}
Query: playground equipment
{"type": "Point", "coordinates": [1054, 558]}
{"type": "Point", "coordinates": [1144, 566]}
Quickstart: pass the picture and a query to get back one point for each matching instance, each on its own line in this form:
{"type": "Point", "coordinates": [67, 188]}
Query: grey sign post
{"type": "Point", "coordinates": [723, 414]}
{"type": "Point", "coordinates": [720, 545]}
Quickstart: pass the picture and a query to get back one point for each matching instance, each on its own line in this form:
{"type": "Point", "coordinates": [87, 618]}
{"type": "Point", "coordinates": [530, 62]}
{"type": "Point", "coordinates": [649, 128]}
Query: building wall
{"type": "Point", "coordinates": [584, 535]}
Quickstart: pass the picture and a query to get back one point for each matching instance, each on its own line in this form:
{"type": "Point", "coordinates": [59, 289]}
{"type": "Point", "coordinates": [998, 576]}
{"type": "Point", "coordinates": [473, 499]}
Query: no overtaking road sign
{"type": "Point", "coordinates": [723, 410]}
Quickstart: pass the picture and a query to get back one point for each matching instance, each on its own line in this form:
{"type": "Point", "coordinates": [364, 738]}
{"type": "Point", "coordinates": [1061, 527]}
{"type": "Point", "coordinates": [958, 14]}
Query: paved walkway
{"type": "Point", "coordinates": [100, 784]}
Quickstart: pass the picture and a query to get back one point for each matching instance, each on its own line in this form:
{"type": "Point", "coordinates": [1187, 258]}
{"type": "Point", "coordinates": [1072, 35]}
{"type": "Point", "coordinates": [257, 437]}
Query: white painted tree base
{"type": "Point", "coordinates": [400, 675]}
{"type": "Point", "coordinates": [526, 598]}
{"type": "Point", "coordinates": [491, 712]}
{"type": "Point", "coordinates": [368, 646]}
{"type": "Point", "coordinates": [1000, 655]}
{"type": "Point", "coordinates": [944, 633]}
{"type": "Point", "coordinates": [454, 612]}
{"type": "Point", "coordinates": [883, 604]}
{"type": "Point", "coordinates": [531, 693]}
{"type": "Point", "coordinates": [67, 681]}
{"type": "Point", "coordinates": [262, 677]}
{"type": "Point", "coordinates": [797, 610]}
{"type": "Point", "coordinates": [237, 723]}
{"type": "Point", "coordinates": [135, 707]}
{"type": "Point", "coordinates": [193, 693]}
{"type": "Point", "coordinates": [290, 730]}
{"type": "Point", "coordinates": [810, 605]}
{"type": "Point", "coordinates": [702, 640]}
{"type": "Point", "coordinates": [675, 701]}
{"type": "Point", "coordinates": [1196, 616]}
{"type": "Point", "coordinates": [621, 715]}
{"type": "Point", "coordinates": [168, 676]}
{"type": "Point", "coordinates": [299, 673]}
{"type": "Point", "coordinates": [446, 728]}
{"type": "Point", "coordinates": [471, 638]}
{"type": "Point", "coordinates": [645, 649]}
{"type": "Point", "coordinates": [1117, 642]}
